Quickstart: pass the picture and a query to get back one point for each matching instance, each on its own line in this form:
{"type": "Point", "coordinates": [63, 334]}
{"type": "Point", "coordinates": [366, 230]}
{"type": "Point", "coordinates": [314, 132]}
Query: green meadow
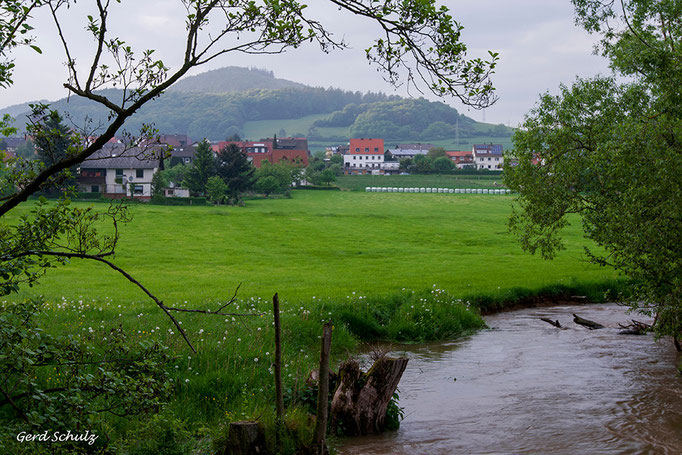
{"type": "Point", "coordinates": [324, 244]}
{"type": "Point", "coordinates": [394, 267]}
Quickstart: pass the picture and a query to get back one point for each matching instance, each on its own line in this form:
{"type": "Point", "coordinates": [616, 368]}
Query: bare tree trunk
{"type": "Point", "coordinates": [361, 399]}
{"type": "Point", "coordinates": [323, 391]}
{"type": "Point", "coordinates": [279, 397]}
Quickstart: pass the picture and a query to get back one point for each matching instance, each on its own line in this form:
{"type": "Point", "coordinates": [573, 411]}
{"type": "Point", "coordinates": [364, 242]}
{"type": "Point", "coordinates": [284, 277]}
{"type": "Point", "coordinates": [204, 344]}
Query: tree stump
{"type": "Point", "coordinates": [361, 399]}
{"type": "Point", "coordinates": [244, 438]}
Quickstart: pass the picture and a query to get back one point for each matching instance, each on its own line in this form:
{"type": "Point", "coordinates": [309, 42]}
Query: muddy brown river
{"type": "Point", "coordinates": [525, 387]}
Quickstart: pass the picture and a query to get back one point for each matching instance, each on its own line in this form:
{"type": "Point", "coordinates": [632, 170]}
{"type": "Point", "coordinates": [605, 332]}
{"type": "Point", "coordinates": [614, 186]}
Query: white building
{"type": "Point", "coordinates": [117, 172]}
{"type": "Point", "coordinates": [488, 156]}
{"type": "Point", "coordinates": [365, 156]}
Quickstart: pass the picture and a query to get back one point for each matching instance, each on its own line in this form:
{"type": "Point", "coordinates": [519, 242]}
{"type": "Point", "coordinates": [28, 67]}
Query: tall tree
{"type": "Point", "coordinates": [612, 153]}
{"type": "Point", "coordinates": [203, 168]}
{"type": "Point", "coordinates": [53, 142]}
{"type": "Point", "coordinates": [233, 166]}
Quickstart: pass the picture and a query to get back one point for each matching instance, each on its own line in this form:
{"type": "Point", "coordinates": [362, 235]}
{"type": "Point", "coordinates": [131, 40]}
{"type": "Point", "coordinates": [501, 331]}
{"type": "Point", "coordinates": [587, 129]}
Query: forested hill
{"type": "Point", "coordinates": [321, 114]}
{"type": "Point", "coordinates": [232, 79]}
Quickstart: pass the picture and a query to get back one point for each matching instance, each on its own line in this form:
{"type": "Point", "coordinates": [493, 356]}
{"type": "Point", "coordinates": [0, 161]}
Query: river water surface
{"type": "Point", "coordinates": [525, 387]}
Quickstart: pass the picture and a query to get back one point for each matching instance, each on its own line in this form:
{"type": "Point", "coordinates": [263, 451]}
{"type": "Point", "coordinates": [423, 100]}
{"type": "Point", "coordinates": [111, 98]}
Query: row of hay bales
{"type": "Point", "coordinates": [375, 189]}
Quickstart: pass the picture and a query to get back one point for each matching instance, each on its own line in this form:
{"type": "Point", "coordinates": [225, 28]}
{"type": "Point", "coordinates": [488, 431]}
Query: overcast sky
{"type": "Point", "coordinates": [538, 43]}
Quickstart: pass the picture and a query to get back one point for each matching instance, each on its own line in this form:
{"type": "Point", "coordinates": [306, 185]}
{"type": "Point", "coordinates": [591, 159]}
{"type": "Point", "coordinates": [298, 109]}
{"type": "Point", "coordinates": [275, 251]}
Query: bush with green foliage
{"type": "Point", "coordinates": [67, 382]}
{"type": "Point", "coordinates": [216, 190]}
{"type": "Point", "coordinates": [202, 168]}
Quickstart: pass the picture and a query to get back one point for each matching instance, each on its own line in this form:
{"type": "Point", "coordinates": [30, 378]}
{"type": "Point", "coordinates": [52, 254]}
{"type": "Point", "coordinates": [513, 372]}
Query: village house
{"type": "Point", "coordinates": [11, 144]}
{"type": "Point", "coordinates": [117, 172]}
{"type": "Point", "coordinates": [461, 159]}
{"type": "Point", "coordinates": [272, 150]}
{"type": "Point", "coordinates": [488, 156]}
{"type": "Point", "coordinates": [402, 151]}
{"type": "Point", "coordinates": [365, 156]}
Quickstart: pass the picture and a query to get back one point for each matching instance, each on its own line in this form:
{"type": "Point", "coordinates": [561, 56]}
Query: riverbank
{"type": "Point", "coordinates": [528, 387]}
{"type": "Point", "coordinates": [230, 378]}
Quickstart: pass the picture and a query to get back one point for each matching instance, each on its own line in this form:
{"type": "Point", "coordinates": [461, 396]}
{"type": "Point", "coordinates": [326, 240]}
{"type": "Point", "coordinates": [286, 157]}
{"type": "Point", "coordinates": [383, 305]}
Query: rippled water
{"type": "Point", "coordinates": [525, 387]}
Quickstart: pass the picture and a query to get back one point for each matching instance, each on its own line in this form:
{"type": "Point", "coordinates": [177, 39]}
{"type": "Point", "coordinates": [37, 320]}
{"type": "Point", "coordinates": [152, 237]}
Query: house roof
{"type": "Point", "coordinates": [464, 153]}
{"type": "Point", "coordinates": [366, 143]}
{"type": "Point", "coordinates": [176, 140]}
{"type": "Point", "coordinates": [408, 152]}
{"type": "Point", "coordinates": [294, 143]}
{"type": "Point", "coordinates": [186, 151]}
{"type": "Point", "coordinates": [488, 149]}
{"type": "Point", "coordinates": [116, 156]}
{"type": "Point", "coordinates": [426, 147]}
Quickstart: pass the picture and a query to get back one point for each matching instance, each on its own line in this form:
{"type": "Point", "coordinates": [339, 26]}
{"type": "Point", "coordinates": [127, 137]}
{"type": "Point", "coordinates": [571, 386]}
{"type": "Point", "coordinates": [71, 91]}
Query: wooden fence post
{"type": "Point", "coordinates": [279, 397]}
{"type": "Point", "coordinates": [323, 390]}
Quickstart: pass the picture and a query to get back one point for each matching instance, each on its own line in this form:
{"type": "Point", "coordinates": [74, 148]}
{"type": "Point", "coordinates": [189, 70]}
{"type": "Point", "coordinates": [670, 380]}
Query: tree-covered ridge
{"type": "Point", "coordinates": [233, 79]}
{"type": "Point", "coordinates": [215, 116]}
{"type": "Point", "coordinates": [408, 119]}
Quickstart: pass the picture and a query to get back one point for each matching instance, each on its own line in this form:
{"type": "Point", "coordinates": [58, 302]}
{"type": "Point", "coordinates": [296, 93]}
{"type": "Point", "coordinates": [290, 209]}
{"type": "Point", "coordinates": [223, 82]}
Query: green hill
{"type": "Point", "coordinates": [232, 79]}
{"type": "Point", "coordinates": [217, 108]}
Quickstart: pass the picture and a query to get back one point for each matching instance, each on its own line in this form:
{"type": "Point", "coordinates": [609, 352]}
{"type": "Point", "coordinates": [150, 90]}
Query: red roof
{"type": "Point", "coordinates": [457, 153]}
{"type": "Point", "coordinates": [367, 146]}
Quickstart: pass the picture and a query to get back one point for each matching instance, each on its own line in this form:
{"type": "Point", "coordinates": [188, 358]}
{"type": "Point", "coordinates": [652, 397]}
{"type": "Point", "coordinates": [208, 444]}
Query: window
{"type": "Point", "coordinates": [366, 149]}
{"type": "Point", "coordinates": [357, 149]}
{"type": "Point", "coordinates": [360, 157]}
{"type": "Point", "coordinates": [138, 190]}
{"type": "Point", "coordinates": [373, 157]}
{"type": "Point", "coordinates": [186, 160]}
{"type": "Point", "coordinates": [139, 173]}
{"type": "Point", "coordinates": [376, 149]}
{"type": "Point", "coordinates": [355, 157]}
{"type": "Point", "coordinates": [119, 173]}
{"type": "Point", "coordinates": [489, 158]}
{"type": "Point", "coordinates": [94, 189]}
{"type": "Point", "coordinates": [497, 159]}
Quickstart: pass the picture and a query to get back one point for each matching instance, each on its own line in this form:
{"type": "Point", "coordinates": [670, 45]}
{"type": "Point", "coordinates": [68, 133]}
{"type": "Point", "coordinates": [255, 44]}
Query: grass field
{"type": "Point", "coordinates": [360, 182]}
{"type": "Point", "coordinates": [260, 129]}
{"type": "Point", "coordinates": [384, 266]}
{"type": "Point", "coordinates": [321, 244]}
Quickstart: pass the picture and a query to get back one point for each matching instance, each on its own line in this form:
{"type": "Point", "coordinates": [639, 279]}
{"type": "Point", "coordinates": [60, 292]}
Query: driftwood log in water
{"type": "Point", "coordinates": [586, 322]}
{"type": "Point", "coordinates": [635, 328]}
{"type": "Point", "coordinates": [554, 323]}
{"type": "Point", "coordinates": [361, 399]}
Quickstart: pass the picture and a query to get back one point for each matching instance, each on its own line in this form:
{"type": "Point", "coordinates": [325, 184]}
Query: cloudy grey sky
{"type": "Point", "coordinates": [539, 48]}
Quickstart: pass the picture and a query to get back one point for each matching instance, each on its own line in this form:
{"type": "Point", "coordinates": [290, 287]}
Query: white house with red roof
{"type": "Point", "coordinates": [365, 156]}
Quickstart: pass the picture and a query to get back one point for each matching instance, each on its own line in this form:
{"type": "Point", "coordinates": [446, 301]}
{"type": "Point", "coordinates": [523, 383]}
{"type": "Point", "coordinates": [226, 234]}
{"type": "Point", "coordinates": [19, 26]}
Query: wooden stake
{"type": "Point", "coordinates": [323, 390]}
{"type": "Point", "coordinates": [279, 397]}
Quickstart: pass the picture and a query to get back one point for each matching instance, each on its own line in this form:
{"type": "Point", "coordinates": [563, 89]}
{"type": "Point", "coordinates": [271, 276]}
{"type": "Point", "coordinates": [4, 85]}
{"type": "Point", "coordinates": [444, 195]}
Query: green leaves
{"type": "Point", "coordinates": [605, 151]}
